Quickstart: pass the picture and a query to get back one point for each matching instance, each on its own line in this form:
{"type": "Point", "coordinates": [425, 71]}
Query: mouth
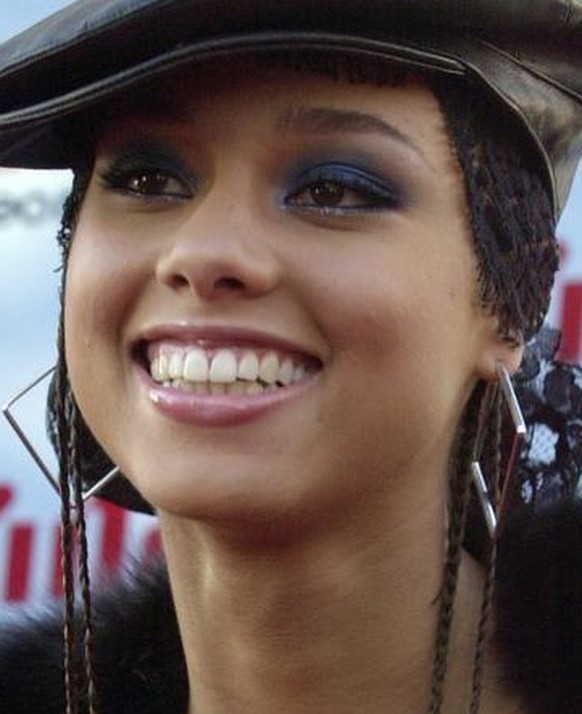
{"type": "Point", "coordinates": [224, 369]}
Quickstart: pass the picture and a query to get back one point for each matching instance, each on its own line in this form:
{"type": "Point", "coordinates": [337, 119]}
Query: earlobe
{"type": "Point", "coordinates": [504, 350]}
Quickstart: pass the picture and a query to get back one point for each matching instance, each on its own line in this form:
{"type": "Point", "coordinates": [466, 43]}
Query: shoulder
{"type": "Point", "coordinates": [138, 659]}
{"type": "Point", "coordinates": [538, 618]}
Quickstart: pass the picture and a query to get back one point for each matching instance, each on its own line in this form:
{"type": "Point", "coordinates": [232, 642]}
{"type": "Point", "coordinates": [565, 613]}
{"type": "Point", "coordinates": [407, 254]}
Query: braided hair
{"type": "Point", "coordinates": [515, 245]}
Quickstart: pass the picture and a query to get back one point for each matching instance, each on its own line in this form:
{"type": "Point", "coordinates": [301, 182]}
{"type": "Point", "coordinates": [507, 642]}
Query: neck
{"type": "Point", "coordinates": [333, 623]}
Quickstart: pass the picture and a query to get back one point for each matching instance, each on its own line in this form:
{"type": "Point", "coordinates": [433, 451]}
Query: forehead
{"type": "Point", "coordinates": [288, 93]}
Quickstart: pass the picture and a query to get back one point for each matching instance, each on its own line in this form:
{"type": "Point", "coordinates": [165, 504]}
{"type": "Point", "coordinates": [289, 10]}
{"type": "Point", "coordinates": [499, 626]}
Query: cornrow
{"type": "Point", "coordinates": [510, 212]}
{"type": "Point", "coordinates": [457, 510]}
{"type": "Point", "coordinates": [517, 257]}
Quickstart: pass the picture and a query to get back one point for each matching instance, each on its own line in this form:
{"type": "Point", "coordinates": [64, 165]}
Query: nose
{"type": "Point", "coordinates": [218, 259]}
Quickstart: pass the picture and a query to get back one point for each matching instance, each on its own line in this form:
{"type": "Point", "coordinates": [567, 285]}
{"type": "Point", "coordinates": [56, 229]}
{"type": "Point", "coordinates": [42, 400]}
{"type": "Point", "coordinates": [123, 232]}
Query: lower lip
{"type": "Point", "coordinates": [220, 409]}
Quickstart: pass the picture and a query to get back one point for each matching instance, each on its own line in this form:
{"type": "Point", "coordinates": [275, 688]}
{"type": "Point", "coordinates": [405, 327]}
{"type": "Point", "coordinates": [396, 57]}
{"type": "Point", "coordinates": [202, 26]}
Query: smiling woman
{"type": "Point", "coordinates": [328, 188]}
{"type": "Point", "coordinates": [300, 265]}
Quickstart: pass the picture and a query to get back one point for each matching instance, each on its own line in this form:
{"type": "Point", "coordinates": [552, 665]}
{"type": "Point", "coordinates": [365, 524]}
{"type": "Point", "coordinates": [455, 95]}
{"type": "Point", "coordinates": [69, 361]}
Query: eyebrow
{"type": "Point", "coordinates": [330, 120]}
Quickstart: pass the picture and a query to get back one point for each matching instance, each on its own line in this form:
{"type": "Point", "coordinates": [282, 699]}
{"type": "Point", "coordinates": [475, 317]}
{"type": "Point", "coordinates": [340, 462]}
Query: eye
{"type": "Point", "coordinates": [336, 188]}
{"type": "Point", "coordinates": [150, 179]}
{"type": "Point", "coordinates": [154, 183]}
{"type": "Point", "coordinates": [147, 184]}
{"type": "Point", "coordinates": [327, 192]}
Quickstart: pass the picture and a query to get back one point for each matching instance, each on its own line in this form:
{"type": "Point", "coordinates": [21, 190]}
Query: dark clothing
{"type": "Point", "coordinates": [140, 666]}
{"type": "Point", "coordinates": [137, 654]}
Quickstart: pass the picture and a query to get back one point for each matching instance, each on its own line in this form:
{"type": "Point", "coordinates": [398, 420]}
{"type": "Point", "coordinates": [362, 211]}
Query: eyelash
{"type": "Point", "coordinates": [118, 177]}
{"type": "Point", "coordinates": [358, 191]}
{"type": "Point", "coordinates": [330, 189]}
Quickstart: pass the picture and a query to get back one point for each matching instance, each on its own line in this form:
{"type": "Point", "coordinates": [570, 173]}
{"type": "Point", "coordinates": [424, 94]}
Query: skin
{"type": "Point", "coordinates": [305, 546]}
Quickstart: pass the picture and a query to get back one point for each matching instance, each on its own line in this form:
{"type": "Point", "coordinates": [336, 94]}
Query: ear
{"type": "Point", "coordinates": [499, 348]}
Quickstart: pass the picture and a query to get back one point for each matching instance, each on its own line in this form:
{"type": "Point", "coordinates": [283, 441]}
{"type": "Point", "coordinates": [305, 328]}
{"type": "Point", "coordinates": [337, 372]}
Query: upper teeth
{"type": "Point", "coordinates": [225, 366]}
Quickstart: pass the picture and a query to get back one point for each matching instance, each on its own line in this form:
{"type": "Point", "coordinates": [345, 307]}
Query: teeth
{"type": "Point", "coordinates": [176, 366]}
{"type": "Point", "coordinates": [298, 373]}
{"type": "Point", "coordinates": [236, 388]}
{"type": "Point", "coordinates": [163, 365]}
{"type": "Point", "coordinates": [155, 370]}
{"type": "Point", "coordinates": [192, 370]}
{"type": "Point", "coordinates": [285, 374]}
{"type": "Point", "coordinates": [254, 388]}
{"type": "Point", "coordinates": [248, 368]}
{"type": "Point", "coordinates": [184, 384]}
{"type": "Point", "coordinates": [269, 368]}
{"type": "Point", "coordinates": [223, 367]}
{"type": "Point", "coordinates": [196, 366]}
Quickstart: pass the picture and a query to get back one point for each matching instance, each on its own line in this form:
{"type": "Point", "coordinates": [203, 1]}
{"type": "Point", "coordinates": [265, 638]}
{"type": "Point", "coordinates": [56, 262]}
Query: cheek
{"type": "Point", "coordinates": [372, 301]}
{"type": "Point", "coordinates": [402, 324]}
{"type": "Point", "coordinates": [101, 286]}
{"type": "Point", "coordinates": [92, 297]}
{"type": "Point", "coordinates": [103, 275]}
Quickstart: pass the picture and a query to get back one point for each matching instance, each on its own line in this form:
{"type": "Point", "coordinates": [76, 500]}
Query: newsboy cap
{"type": "Point", "coordinates": [527, 52]}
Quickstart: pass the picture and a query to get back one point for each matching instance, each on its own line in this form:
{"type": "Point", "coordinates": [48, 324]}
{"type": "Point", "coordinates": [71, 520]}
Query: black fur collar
{"type": "Point", "coordinates": [140, 665]}
{"type": "Point", "coordinates": [138, 659]}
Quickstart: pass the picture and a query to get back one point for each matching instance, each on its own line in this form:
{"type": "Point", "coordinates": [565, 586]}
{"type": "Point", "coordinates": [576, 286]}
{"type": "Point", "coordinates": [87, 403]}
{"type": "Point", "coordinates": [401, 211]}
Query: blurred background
{"type": "Point", "coordinates": [30, 208]}
{"type": "Point", "coordinates": [30, 205]}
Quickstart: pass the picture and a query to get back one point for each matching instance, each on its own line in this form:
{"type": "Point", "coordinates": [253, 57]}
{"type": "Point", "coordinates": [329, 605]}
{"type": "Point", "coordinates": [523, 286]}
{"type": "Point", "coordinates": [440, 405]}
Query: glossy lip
{"type": "Point", "coordinates": [221, 409]}
{"type": "Point", "coordinates": [220, 336]}
{"type": "Point", "coordinates": [218, 409]}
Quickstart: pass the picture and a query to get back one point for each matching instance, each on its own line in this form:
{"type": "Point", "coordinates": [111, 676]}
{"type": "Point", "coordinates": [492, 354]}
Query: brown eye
{"type": "Point", "coordinates": [327, 193]}
{"type": "Point", "coordinates": [150, 182]}
{"type": "Point", "coordinates": [341, 189]}
{"type": "Point", "coordinates": [154, 183]}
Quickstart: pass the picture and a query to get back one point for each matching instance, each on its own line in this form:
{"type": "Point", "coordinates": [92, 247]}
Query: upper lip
{"type": "Point", "coordinates": [216, 336]}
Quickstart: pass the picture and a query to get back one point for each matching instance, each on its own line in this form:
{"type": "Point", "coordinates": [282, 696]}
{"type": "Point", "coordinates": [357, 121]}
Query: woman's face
{"type": "Point", "coordinates": [308, 229]}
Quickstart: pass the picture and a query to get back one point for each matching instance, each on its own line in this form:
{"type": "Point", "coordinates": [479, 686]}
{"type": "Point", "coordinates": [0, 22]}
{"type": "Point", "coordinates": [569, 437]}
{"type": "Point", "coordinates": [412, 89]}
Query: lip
{"type": "Point", "coordinates": [218, 409]}
{"type": "Point", "coordinates": [221, 409]}
{"type": "Point", "coordinates": [221, 336]}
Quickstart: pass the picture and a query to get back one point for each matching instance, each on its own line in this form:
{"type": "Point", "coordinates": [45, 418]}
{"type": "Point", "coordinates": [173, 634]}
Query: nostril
{"type": "Point", "coordinates": [179, 281]}
{"type": "Point", "coordinates": [229, 284]}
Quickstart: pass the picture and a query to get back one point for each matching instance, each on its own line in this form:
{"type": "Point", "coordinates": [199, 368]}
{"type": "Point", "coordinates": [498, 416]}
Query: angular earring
{"type": "Point", "coordinates": [491, 515]}
{"type": "Point", "coordinates": [36, 457]}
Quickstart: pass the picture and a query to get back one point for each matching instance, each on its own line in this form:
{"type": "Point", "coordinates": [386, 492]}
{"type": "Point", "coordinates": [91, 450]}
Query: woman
{"type": "Point", "coordinates": [299, 259]}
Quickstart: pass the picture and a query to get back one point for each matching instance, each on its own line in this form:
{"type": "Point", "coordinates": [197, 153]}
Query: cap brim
{"type": "Point", "coordinates": [32, 139]}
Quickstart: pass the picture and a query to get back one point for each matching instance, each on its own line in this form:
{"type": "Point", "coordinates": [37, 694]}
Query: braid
{"type": "Point", "coordinates": [83, 563]}
{"type": "Point", "coordinates": [71, 208]}
{"type": "Point", "coordinates": [492, 465]}
{"type": "Point", "coordinates": [64, 427]}
{"type": "Point", "coordinates": [458, 501]}
{"type": "Point", "coordinates": [517, 256]}
{"type": "Point", "coordinates": [62, 402]}
{"type": "Point", "coordinates": [511, 217]}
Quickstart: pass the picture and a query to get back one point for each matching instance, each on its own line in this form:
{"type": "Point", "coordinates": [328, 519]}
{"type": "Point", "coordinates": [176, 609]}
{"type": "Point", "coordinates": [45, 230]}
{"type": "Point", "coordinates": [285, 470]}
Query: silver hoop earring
{"type": "Point", "coordinates": [493, 516]}
{"type": "Point", "coordinates": [36, 457]}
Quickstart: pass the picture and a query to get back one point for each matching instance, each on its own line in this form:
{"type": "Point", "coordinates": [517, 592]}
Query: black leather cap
{"type": "Point", "coordinates": [529, 53]}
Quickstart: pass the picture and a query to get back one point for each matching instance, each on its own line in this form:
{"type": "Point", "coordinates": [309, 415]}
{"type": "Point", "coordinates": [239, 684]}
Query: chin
{"type": "Point", "coordinates": [222, 494]}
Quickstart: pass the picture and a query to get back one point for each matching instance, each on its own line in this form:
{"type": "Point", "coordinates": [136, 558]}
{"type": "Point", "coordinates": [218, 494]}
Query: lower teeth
{"type": "Point", "coordinates": [238, 387]}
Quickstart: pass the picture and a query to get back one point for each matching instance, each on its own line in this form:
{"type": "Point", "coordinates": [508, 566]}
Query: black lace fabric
{"type": "Point", "coordinates": [538, 597]}
{"type": "Point", "coordinates": [550, 393]}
